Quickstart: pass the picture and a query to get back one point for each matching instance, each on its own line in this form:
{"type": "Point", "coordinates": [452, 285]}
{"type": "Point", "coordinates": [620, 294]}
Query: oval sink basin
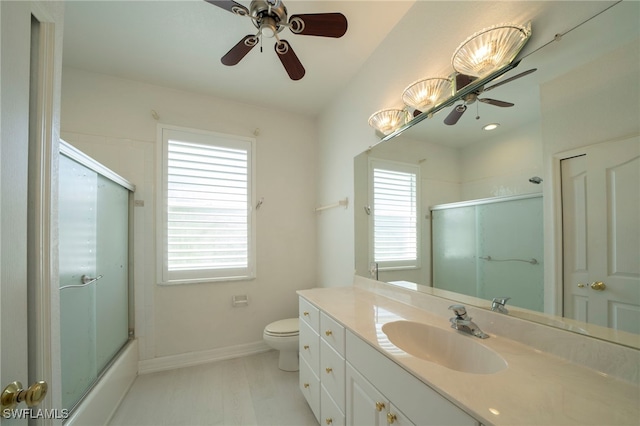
{"type": "Point", "coordinates": [446, 348]}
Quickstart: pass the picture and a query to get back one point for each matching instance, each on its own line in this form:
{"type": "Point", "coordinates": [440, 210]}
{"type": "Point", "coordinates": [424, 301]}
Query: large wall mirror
{"type": "Point", "coordinates": [504, 213]}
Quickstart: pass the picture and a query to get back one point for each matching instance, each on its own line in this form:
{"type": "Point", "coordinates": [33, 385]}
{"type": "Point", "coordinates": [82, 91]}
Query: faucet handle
{"type": "Point", "coordinates": [459, 310]}
{"type": "Point", "coordinates": [497, 304]}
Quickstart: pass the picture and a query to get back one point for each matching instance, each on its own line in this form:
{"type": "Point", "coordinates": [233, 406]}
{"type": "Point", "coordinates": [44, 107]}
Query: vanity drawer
{"type": "Point", "coordinates": [330, 413]}
{"type": "Point", "coordinates": [332, 373]}
{"type": "Point", "coordinates": [309, 346]}
{"type": "Point", "coordinates": [418, 401]}
{"type": "Point", "coordinates": [310, 387]}
{"type": "Point", "coordinates": [332, 332]}
{"type": "Point", "coordinates": [309, 313]}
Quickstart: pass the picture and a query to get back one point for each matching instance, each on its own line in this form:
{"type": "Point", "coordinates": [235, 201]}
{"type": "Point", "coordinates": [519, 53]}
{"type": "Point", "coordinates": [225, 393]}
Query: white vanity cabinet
{"type": "Point", "coordinates": [309, 354]}
{"type": "Point", "coordinates": [322, 364]}
{"type": "Point", "coordinates": [367, 406]}
{"type": "Point", "coordinates": [373, 380]}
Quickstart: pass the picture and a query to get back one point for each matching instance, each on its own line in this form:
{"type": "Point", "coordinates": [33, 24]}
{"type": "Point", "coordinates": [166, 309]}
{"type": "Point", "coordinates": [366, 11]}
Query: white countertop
{"type": "Point", "coordinates": [535, 389]}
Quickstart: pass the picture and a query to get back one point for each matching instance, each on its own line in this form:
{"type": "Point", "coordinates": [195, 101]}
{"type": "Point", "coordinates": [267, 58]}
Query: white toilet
{"type": "Point", "coordinates": [283, 336]}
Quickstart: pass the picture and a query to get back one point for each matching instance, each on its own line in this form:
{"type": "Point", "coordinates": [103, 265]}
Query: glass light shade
{"type": "Point", "coordinates": [388, 120]}
{"type": "Point", "coordinates": [490, 49]}
{"type": "Point", "coordinates": [427, 93]}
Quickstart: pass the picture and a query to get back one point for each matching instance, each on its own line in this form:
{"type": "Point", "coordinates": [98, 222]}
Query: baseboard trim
{"type": "Point", "coordinates": [202, 357]}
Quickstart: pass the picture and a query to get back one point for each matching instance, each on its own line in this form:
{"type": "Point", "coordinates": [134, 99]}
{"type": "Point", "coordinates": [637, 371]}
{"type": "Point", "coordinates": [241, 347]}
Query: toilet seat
{"type": "Point", "coordinates": [283, 328]}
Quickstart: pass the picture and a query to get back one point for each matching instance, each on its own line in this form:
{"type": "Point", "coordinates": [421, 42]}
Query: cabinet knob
{"type": "Point", "coordinates": [328, 370]}
{"type": "Point", "coordinates": [306, 346]}
{"type": "Point", "coordinates": [380, 406]}
{"type": "Point", "coordinates": [391, 418]}
{"type": "Point", "coordinates": [329, 421]}
{"type": "Point", "coordinates": [306, 385]}
{"type": "Point", "coordinates": [580, 285]}
{"type": "Point", "coordinates": [328, 332]}
{"type": "Point", "coordinates": [305, 313]}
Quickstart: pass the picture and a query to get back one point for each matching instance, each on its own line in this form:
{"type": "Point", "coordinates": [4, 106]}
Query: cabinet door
{"type": "Point", "coordinates": [396, 418]}
{"type": "Point", "coordinates": [365, 405]}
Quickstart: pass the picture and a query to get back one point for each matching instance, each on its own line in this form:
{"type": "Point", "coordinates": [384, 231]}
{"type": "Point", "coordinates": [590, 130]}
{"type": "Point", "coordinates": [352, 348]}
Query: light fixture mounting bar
{"type": "Point", "coordinates": [460, 94]}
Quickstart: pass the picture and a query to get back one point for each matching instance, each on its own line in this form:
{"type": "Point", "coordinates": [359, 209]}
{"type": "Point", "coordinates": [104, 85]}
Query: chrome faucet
{"type": "Point", "coordinates": [497, 305]}
{"type": "Point", "coordinates": [462, 322]}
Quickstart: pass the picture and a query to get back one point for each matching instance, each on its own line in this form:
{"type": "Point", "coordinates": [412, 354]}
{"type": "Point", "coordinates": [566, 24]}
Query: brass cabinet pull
{"type": "Point", "coordinates": [328, 370]}
{"type": "Point", "coordinates": [306, 346]}
{"type": "Point", "coordinates": [13, 394]}
{"type": "Point", "coordinates": [305, 313]}
{"type": "Point", "coordinates": [391, 418]}
{"type": "Point", "coordinates": [380, 406]}
{"type": "Point", "coordinates": [329, 421]}
{"type": "Point", "coordinates": [598, 286]}
{"type": "Point", "coordinates": [306, 385]}
{"type": "Point", "coordinates": [580, 285]}
{"type": "Point", "coordinates": [328, 332]}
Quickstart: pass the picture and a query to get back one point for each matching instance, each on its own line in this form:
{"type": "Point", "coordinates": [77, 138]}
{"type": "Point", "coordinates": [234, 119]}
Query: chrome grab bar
{"type": "Point", "coordinates": [86, 280]}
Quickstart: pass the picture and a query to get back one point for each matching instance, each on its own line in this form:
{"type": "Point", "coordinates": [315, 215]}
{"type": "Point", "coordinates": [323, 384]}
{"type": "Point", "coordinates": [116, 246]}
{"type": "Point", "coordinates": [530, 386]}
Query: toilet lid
{"type": "Point", "coordinates": [283, 327]}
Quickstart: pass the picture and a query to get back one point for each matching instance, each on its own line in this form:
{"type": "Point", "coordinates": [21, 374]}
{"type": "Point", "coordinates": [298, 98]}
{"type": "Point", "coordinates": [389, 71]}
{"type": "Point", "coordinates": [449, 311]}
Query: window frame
{"type": "Point", "coordinates": [204, 137]}
{"type": "Point", "coordinates": [375, 163]}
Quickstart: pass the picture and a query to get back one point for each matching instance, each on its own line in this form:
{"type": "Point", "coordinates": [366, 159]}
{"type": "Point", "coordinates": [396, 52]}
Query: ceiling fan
{"type": "Point", "coordinates": [462, 80]}
{"type": "Point", "coordinates": [270, 18]}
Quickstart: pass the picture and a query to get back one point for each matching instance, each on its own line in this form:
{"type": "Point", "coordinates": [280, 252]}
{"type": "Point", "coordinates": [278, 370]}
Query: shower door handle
{"type": "Point", "coordinates": [85, 279]}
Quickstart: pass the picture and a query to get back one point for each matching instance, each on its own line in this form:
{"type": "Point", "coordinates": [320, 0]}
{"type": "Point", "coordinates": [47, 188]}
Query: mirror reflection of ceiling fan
{"type": "Point", "coordinates": [270, 18]}
{"type": "Point", "coordinates": [462, 80]}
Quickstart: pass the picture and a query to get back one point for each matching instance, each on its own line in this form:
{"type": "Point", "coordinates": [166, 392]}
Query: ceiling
{"type": "Point", "coordinates": [178, 44]}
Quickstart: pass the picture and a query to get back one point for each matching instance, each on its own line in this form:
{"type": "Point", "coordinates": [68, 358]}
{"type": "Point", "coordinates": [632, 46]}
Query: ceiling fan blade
{"type": "Point", "coordinates": [239, 51]}
{"type": "Point", "coordinates": [510, 79]}
{"type": "Point", "coordinates": [455, 115]}
{"type": "Point", "coordinates": [231, 6]}
{"type": "Point", "coordinates": [496, 102]}
{"type": "Point", "coordinates": [289, 60]}
{"type": "Point", "coordinates": [319, 24]}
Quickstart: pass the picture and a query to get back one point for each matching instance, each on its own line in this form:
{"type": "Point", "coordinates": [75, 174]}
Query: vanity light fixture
{"type": "Point", "coordinates": [388, 120]}
{"type": "Point", "coordinates": [490, 49]}
{"type": "Point", "coordinates": [491, 126]}
{"type": "Point", "coordinates": [424, 94]}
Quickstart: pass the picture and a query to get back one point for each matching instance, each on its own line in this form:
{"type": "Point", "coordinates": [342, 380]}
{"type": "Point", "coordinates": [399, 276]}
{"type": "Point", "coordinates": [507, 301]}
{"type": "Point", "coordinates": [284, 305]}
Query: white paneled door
{"type": "Point", "coordinates": [601, 235]}
{"type": "Point", "coordinates": [27, 120]}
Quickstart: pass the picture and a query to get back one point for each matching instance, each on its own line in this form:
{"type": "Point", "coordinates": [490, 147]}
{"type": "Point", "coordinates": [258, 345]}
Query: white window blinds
{"type": "Point", "coordinates": [207, 226]}
{"type": "Point", "coordinates": [395, 215]}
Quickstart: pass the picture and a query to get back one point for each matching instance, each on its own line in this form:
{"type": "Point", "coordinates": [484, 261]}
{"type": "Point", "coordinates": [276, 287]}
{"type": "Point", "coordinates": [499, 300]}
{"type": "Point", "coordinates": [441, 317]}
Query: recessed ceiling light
{"type": "Point", "coordinates": [491, 126]}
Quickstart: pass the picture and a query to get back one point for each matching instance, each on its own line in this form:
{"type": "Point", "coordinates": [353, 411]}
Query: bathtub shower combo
{"type": "Point", "coordinates": [95, 301]}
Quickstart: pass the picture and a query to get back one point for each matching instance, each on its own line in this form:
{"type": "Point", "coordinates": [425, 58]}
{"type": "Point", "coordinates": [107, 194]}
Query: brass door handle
{"type": "Point", "coordinates": [598, 286]}
{"type": "Point", "coordinates": [13, 394]}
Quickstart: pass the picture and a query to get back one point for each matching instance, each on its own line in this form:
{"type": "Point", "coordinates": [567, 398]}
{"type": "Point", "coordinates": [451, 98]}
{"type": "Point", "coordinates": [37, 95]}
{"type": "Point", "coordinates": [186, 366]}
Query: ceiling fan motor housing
{"type": "Point", "coordinates": [267, 16]}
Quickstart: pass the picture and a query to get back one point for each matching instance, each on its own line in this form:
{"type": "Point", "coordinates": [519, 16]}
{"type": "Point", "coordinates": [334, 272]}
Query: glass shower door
{"type": "Point", "coordinates": [94, 275]}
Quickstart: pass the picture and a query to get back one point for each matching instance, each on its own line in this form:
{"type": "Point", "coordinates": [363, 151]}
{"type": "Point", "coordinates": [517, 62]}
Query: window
{"type": "Point", "coordinates": [395, 226]}
{"type": "Point", "coordinates": [206, 227]}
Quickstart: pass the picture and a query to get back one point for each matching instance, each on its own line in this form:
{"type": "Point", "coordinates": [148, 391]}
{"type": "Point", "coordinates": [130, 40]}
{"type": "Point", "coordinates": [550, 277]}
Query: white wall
{"type": "Point", "coordinates": [110, 119]}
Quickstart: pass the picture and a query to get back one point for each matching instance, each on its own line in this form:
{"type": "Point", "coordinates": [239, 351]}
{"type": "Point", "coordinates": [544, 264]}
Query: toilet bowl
{"type": "Point", "coordinates": [282, 335]}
